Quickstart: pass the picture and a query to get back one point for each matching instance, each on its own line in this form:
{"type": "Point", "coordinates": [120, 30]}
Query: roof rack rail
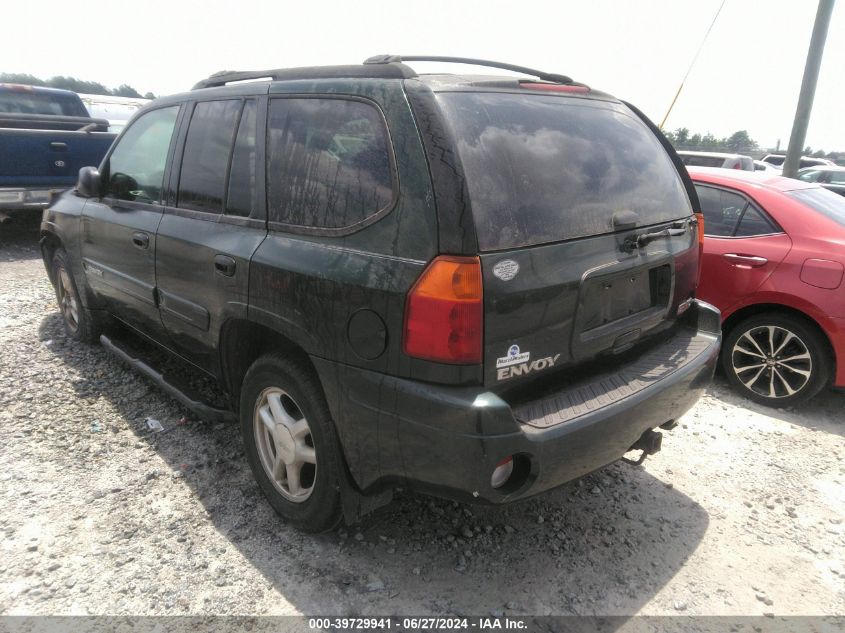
{"type": "Point", "coordinates": [398, 59]}
{"type": "Point", "coordinates": [392, 71]}
{"type": "Point", "coordinates": [224, 77]}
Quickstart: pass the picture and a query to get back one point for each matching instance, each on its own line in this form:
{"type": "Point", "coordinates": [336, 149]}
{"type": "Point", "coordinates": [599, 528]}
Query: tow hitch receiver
{"type": "Point", "coordinates": [649, 444]}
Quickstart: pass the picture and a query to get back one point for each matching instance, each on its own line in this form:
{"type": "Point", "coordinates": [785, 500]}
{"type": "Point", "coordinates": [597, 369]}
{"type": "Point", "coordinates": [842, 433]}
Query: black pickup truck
{"type": "Point", "coordinates": [46, 135]}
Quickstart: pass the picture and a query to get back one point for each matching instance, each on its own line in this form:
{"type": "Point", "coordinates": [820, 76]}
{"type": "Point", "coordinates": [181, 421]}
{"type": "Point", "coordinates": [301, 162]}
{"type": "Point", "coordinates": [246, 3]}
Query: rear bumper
{"type": "Point", "coordinates": [448, 440]}
{"type": "Point", "coordinates": [26, 197]}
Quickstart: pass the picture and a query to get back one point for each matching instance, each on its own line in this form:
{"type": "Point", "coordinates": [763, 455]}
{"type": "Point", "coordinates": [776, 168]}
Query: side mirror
{"type": "Point", "coordinates": [89, 184]}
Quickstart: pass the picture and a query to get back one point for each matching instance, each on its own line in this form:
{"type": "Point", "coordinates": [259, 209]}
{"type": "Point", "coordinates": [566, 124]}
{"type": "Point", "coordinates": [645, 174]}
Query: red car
{"type": "Point", "coordinates": [774, 251]}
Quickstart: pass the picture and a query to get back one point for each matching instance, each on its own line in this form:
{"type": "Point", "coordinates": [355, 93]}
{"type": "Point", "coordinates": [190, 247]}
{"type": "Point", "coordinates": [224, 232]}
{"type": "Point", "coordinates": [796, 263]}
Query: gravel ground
{"type": "Point", "coordinates": [741, 513]}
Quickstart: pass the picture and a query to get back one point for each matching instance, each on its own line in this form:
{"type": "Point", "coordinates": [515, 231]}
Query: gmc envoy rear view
{"type": "Point", "coordinates": [480, 287]}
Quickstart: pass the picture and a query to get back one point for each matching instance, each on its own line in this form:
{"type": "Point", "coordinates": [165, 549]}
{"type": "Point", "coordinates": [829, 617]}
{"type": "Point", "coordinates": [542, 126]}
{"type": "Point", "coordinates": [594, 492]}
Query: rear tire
{"type": "Point", "coordinates": [80, 324]}
{"type": "Point", "coordinates": [291, 443]}
{"type": "Point", "coordinates": [777, 360]}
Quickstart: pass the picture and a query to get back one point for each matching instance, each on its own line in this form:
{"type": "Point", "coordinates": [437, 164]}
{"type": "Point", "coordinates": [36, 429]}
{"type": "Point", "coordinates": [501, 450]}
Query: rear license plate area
{"type": "Point", "coordinates": [615, 307]}
{"type": "Point", "coordinates": [612, 297]}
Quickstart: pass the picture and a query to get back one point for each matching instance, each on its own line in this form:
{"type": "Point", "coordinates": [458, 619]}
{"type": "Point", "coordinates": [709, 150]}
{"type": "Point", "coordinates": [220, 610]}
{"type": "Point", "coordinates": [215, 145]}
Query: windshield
{"type": "Point", "coordinates": [825, 202]}
{"type": "Point", "coordinates": [544, 168]}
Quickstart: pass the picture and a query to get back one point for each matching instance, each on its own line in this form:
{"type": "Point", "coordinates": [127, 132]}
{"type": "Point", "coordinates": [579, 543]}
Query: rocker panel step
{"type": "Point", "coordinates": [196, 405]}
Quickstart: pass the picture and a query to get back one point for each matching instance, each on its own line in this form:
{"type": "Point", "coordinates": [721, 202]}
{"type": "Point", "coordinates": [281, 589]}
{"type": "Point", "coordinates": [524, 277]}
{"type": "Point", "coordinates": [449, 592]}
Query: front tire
{"type": "Point", "coordinates": [80, 324]}
{"type": "Point", "coordinates": [777, 360]}
{"type": "Point", "coordinates": [291, 443]}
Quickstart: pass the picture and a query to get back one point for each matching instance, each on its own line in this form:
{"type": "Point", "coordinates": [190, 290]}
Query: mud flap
{"type": "Point", "coordinates": [356, 505]}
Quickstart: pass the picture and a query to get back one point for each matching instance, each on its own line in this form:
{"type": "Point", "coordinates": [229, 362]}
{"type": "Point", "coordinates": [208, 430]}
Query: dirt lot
{"type": "Point", "coordinates": [741, 513]}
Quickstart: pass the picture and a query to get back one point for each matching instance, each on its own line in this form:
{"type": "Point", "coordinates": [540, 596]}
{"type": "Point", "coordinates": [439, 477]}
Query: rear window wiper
{"type": "Point", "coordinates": [639, 240]}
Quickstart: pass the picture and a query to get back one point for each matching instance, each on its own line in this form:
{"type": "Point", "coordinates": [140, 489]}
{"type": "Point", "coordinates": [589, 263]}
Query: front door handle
{"type": "Point", "coordinates": [141, 240]}
{"type": "Point", "coordinates": [224, 265]}
{"type": "Point", "coordinates": [746, 260]}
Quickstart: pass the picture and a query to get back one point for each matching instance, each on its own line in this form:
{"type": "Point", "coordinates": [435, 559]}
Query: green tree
{"type": "Point", "coordinates": [149, 95]}
{"type": "Point", "coordinates": [71, 83]}
{"type": "Point", "coordinates": [20, 78]}
{"type": "Point", "coordinates": [78, 85]}
{"type": "Point", "coordinates": [709, 141]}
{"type": "Point", "coordinates": [681, 136]}
{"type": "Point", "coordinates": [125, 91]}
{"type": "Point", "coordinates": [740, 142]}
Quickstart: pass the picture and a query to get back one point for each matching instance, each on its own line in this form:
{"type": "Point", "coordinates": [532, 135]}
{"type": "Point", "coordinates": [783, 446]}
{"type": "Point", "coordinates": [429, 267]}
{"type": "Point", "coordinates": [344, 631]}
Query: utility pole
{"type": "Point", "coordinates": [808, 89]}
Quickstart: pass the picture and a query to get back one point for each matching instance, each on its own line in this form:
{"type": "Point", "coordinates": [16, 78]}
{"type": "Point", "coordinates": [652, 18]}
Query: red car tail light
{"type": "Point", "coordinates": [700, 227]}
{"type": "Point", "coordinates": [444, 312]}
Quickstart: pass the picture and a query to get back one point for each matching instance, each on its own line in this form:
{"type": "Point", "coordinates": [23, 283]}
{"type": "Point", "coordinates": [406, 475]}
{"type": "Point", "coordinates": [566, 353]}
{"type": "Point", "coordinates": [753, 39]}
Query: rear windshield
{"type": "Point", "coordinates": [14, 102]}
{"type": "Point", "coordinates": [825, 202]}
{"type": "Point", "coordinates": [546, 168]}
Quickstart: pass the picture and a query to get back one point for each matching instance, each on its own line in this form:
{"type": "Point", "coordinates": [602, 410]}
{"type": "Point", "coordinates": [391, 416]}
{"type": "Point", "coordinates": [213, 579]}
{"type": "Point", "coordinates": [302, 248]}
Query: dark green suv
{"type": "Point", "coordinates": [477, 286]}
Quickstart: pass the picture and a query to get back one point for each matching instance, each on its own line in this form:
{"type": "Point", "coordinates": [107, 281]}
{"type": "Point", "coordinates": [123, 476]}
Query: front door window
{"type": "Point", "coordinates": [135, 170]}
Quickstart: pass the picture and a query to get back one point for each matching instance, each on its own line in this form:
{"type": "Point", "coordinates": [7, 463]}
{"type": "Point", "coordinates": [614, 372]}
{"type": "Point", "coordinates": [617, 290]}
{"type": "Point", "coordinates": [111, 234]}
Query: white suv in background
{"type": "Point", "coordinates": [806, 161]}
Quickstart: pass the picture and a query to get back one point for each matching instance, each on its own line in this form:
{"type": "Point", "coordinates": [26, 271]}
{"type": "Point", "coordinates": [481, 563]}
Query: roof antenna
{"type": "Point", "coordinates": [695, 57]}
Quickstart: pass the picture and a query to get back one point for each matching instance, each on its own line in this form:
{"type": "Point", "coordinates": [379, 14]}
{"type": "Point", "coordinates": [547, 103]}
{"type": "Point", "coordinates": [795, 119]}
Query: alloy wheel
{"type": "Point", "coordinates": [285, 445]}
{"type": "Point", "coordinates": [772, 361]}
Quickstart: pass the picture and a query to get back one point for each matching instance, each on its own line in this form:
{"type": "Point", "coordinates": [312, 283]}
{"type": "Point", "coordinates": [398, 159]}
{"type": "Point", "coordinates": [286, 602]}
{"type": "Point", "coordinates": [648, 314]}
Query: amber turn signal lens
{"type": "Point", "coordinates": [444, 312]}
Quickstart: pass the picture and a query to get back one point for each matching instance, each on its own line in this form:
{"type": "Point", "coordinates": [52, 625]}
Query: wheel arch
{"type": "Point", "coordinates": [756, 309]}
{"type": "Point", "coordinates": [49, 243]}
{"type": "Point", "coordinates": [242, 342]}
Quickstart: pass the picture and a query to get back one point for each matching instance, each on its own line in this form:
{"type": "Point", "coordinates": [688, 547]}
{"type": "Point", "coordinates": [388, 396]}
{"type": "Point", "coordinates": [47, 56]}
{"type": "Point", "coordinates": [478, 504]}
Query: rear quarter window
{"type": "Point", "coordinates": [329, 164]}
{"type": "Point", "coordinates": [544, 168]}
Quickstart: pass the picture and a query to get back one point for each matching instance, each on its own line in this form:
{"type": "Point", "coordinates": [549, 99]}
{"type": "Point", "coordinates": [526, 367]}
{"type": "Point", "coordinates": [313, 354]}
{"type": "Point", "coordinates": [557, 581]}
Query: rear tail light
{"type": "Point", "coordinates": [700, 228]}
{"type": "Point", "coordinates": [700, 225]}
{"type": "Point", "coordinates": [444, 312]}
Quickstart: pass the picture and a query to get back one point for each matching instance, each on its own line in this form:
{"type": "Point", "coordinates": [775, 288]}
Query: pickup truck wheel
{"type": "Point", "coordinates": [776, 359]}
{"type": "Point", "coordinates": [291, 443]}
{"type": "Point", "coordinates": [79, 323]}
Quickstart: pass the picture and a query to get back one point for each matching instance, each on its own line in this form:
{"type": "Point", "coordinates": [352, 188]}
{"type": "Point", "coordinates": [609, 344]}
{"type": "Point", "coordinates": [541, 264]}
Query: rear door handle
{"type": "Point", "coordinates": [746, 260]}
{"type": "Point", "coordinates": [141, 240]}
{"type": "Point", "coordinates": [224, 265]}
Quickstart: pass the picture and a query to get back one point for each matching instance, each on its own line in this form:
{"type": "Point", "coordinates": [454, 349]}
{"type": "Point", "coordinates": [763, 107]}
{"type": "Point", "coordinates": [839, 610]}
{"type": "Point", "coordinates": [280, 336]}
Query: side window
{"type": "Point", "coordinates": [836, 177]}
{"type": "Point", "coordinates": [241, 197]}
{"type": "Point", "coordinates": [136, 166]}
{"type": "Point", "coordinates": [206, 156]}
{"type": "Point", "coordinates": [753, 222]}
{"type": "Point", "coordinates": [721, 210]}
{"type": "Point", "coordinates": [811, 175]}
{"type": "Point", "coordinates": [328, 162]}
